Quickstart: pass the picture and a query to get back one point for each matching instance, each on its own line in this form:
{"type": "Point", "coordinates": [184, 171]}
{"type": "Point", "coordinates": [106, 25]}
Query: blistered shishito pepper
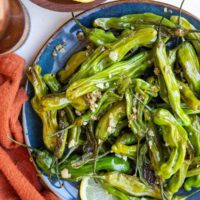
{"type": "Point", "coordinates": [96, 35]}
{"type": "Point", "coordinates": [192, 182]}
{"type": "Point", "coordinates": [133, 67]}
{"type": "Point", "coordinates": [109, 97]}
{"type": "Point", "coordinates": [72, 65]}
{"type": "Point", "coordinates": [113, 191]}
{"type": "Point", "coordinates": [162, 64]}
{"type": "Point", "coordinates": [131, 185]}
{"type": "Point", "coordinates": [108, 122]}
{"type": "Point", "coordinates": [188, 96]}
{"type": "Point", "coordinates": [189, 62]}
{"type": "Point", "coordinates": [177, 180]}
{"type": "Point", "coordinates": [49, 119]}
{"type": "Point", "coordinates": [135, 39]}
{"type": "Point", "coordinates": [62, 136]}
{"type": "Point", "coordinates": [52, 82]}
{"type": "Point", "coordinates": [154, 142]}
{"type": "Point", "coordinates": [131, 21]}
{"type": "Point", "coordinates": [125, 145]}
{"type": "Point", "coordinates": [194, 37]}
{"type": "Point", "coordinates": [59, 101]}
{"type": "Point", "coordinates": [175, 137]}
{"type": "Point", "coordinates": [74, 132]}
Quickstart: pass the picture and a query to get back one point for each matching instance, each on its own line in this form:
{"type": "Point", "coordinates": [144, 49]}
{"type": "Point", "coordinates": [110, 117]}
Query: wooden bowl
{"type": "Point", "coordinates": [66, 5]}
{"type": "Point", "coordinates": [16, 29]}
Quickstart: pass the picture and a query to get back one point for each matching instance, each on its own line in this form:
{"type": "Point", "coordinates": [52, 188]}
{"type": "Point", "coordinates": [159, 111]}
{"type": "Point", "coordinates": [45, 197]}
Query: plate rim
{"type": "Point", "coordinates": [107, 4]}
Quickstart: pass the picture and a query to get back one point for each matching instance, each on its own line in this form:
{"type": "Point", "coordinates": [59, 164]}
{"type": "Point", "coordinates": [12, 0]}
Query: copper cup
{"type": "Point", "coordinates": [14, 25]}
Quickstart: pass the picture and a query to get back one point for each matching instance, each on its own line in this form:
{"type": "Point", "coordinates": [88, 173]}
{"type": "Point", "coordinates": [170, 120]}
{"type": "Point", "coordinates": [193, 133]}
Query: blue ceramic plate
{"type": "Point", "coordinates": [67, 34]}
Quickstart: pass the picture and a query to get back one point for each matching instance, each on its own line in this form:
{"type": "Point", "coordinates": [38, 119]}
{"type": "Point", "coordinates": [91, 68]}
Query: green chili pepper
{"type": "Point", "coordinates": [124, 145]}
{"type": "Point", "coordinates": [154, 143]}
{"type": "Point", "coordinates": [113, 191]}
{"type": "Point", "coordinates": [103, 80]}
{"type": "Point", "coordinates": [108, 163]}
{"type": "Point", "coordinates": [109, 97]}
{"type": "Point", "coordinates": [62, 137]}
{"type": "Point", "coordinates": [162, 63]}
{"type": "Point", "coordinates": [96, 35]}
{"type": "Point", "coordinates": [192, 182]}
{"type": "Point", "coordinates": [72, 65]}
{"type": "Point", "coordinates": [178, 179]}
{"type": "Point", "coordinates": [74, 132]}
{"type": "Point", "coordinates": [54, 101]}
{"type": "Point", "coordinates": [188, 96]}
{"type": "Point", "coordinates": [194, 134]}
{"type": "Point", "coordinates": [175, 136]}
{"type": "Point", "coordinates": [121, 124]}
{"type": "Point", "coordinates": [172, 56]}
{"type": "Point", "coordinates": [108, 122]}
{"type": "Point", "coordinates": [52, 82]}
{"type": "Point", "coordinates": [131, 21]}
{"type": "Point", "coordinates": [189, 62]}
{"type": "Point", "coordinates": [49, 119]}
{"type": "Point", "coordinates": [194, 37]}
{"type": "Point", "coordinates": [130, 185]}
{"type": "Point", "coordinates": [135, 39]}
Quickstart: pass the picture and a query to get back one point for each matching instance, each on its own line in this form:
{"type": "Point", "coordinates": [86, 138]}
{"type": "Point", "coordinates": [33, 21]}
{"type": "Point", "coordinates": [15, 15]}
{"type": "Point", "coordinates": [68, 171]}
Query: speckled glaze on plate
{"type": "Point", "coordinates": [67, 34]}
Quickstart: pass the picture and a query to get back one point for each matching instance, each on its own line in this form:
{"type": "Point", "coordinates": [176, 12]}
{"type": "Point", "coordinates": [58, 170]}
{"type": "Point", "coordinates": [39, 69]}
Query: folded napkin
{"type": "Point", "coordinates": [18, 178]}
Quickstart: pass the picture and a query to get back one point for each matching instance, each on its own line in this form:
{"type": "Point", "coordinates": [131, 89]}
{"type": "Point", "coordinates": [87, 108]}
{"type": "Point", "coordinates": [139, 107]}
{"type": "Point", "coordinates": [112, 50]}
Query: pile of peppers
{"type": "Point", "coordinates": [125, 109]}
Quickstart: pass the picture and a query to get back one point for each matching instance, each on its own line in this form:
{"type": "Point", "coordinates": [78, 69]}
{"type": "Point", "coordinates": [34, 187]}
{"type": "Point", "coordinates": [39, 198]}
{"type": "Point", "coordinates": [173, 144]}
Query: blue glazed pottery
{"type": "Point", "coordinates": [51, 64]}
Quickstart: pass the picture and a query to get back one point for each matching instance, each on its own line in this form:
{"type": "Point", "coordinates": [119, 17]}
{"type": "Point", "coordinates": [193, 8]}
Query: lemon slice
{"type": "Point", "coordinates": [84, 1]}
{"type": "Point", "coordinates": [90, 190]}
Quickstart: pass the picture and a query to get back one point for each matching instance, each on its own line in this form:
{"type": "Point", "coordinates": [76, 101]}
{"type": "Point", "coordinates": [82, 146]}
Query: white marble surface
{"type": "Point", "coordinates": [44, 23]}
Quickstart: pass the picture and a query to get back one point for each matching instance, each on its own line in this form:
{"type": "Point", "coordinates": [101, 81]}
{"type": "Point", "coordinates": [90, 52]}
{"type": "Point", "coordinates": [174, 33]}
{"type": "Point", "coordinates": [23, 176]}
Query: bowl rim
{"type": "Point", "coordinates": [57, 31]}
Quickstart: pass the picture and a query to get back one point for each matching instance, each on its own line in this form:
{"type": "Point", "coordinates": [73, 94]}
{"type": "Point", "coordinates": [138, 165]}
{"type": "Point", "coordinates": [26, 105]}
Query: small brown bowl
{"type": "Point", "coordinates": [66, 5]}
{"type": "Point", "coordinates": [16, 28]}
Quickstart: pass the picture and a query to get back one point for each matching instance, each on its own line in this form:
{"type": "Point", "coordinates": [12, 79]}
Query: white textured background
{"type": "Point", "coordinates": [44, 23]}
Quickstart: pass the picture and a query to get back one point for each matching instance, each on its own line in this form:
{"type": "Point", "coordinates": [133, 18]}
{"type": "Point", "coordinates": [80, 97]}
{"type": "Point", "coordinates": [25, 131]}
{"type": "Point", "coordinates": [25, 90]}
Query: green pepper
{"type": "Point", "coordinates": [103, 80]}
{"type": "Point", "coordinates": [135, 39]}
{"type": "Point", "coordinates": [108, 122]}
{"type": "Point", "coordinates": [74, 132]}
{"type": "Point", "coordinates": [189, 62]}
{"type": "Point", "coordinates": [155, 143]}
{"type": "Point", "coordinates": [188, 96]}
{"type": "Point", "coordinates": [178, 179]}
{"type": "Point", "coordinates": [109, 97]}
{"type": "Point", "coordinates": [49, 119]}
{"type": "Point", "coordinates": [192, 182]}
{"type": "Point", "coordinates": [130, 185]}
{"type": "Point", "coordinates": [52, 82]}
{"type": "Point", "coordinates": [55, 101]}
{"type": "Point", "coordinates": [96, 35]}
{"type": "Point", "coordinates": [162, 63]}
{"type": "Point", "coordinates": [72, 65]}
{"type": "Point", "coordinates": [131, 21]}
{"type": "Point", "coordinates": [113, 191]}
{"type": "Point", "coordinates": [125, 145]}
{"type": "Point", "coordinates": [175, 137]}
{"type": "Point", "coordinates": [108, 163]}
{"type": "Point", "coordinates": [62, 137]}
{"type": "Point", "coordinates": [194, 134]}
{"type": "Point", "coordinates": [194, 37]}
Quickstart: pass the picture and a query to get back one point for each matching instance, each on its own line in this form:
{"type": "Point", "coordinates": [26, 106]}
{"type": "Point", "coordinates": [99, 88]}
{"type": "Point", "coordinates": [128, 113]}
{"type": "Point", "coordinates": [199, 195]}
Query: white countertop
{"type": "Point", "coordinates": [45, 22]}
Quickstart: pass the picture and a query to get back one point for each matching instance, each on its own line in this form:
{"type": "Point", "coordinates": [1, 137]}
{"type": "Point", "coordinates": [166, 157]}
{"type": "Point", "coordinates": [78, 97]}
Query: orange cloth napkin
{"type": "Point", "coordinates": [18, 178]}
